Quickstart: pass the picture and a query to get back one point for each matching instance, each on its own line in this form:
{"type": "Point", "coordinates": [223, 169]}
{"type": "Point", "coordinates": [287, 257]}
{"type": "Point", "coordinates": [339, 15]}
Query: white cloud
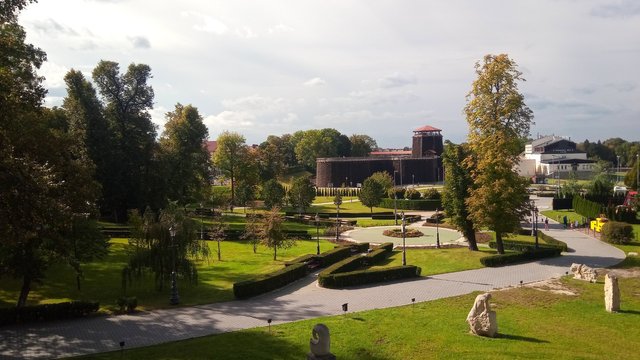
{"type": "Point", "coordinates": [54, 74]}
{"type": "Point", "coordinates": [140, 42]}
{"type": "Point", "coordinates": [230, 120]}
{"type": "Point", "coordinates": [206, 23]}
{"type": "Point", "coordinates": [315, 82]}
{"type": "Point", "coordinates": [257, 104]}
{"type": "Point", "coordinates": [280, 28]}
{"type": "Point", "coordinates": [397, 80]}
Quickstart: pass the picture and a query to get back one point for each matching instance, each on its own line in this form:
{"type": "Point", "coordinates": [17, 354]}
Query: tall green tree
{"type": "Point", "coordinates": [187, 161]}
{"type": "Point", "coordinates": [631, 178]}
{"type": "Point", "coordinates": [127, 99]}
{"type": "Point", "coordinates": [45, 179]}
{"type": "Point", "coordinates": [498, 118]}
{"type": "Point", "coordinates": [384, 178]}
{"type": "Point", "coordinates": [362, 145]}
{"type": "Point", "coordinates": [313, 144]}
{"type": "Point", "coordinates": [302, 193]}
{"type": "Point", "coordinates": [273, 194]}
{"type": "Point", "coordinates": [231, 157]}
{"type": "Point", "coordinates": [458, 168]}
{"type": "Point", "coordinates": [371, 193]}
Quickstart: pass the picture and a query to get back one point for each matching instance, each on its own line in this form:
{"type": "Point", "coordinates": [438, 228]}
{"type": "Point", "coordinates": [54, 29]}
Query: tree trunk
{"type": "Point", "coordinates": [275, 252]}
{"type": "Point", "coordinates": [24, 291]}
{"type": "Point", "coordinates": [470, 234]}
{"type": "Point", "coordinates": [499, 242]}
{"type": "Point", "coordinates": [218, 249]}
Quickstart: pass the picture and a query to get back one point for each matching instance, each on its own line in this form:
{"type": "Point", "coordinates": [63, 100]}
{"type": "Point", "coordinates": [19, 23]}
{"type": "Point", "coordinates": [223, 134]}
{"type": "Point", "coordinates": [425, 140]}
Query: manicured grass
{"type": "Point", "coordinates": [532, 324]}
{"type": "Point", "coordinates": [102, 280]}
{"type": "Point", "coordinates": [346, 207]}
{"type": "Point", "coordinates": [439, 261]}
{"type": "Point", "coordinates": [368, 222]}
{"type": "Point", "coordinates": [558, 215]}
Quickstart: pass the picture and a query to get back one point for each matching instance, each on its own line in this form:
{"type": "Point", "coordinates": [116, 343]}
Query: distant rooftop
{"type": "Point", "coordinates": [426, 128]}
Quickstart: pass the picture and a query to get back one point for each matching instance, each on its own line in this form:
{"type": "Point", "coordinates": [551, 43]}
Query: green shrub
{"type": "Point", "coordinates": [505, 259]}
{"type": "Point", "coordinates": [301, 259]}
{"type": "Point", "coordinates": [127, 304]}
{"type": "Point", "coordinates": [388, 246]}
{"type": "Point", "coordinates": [617, 232]}
{"type": "Point", "coordinates": [345, 265]}
{"type": "Point", "coordinates": [269, 282]}
{"type": "Point", "coordinates": [412, 194]}
{"type": "Point", "coordinates": [552, 241]}
{"type": "Point", "coordinates": [421, 204]}
{"type": "Point", "coordinates": [522, 246]}
{"type": "Point", "coordinates": [46, 312]}
{"type": "Point", "coordinates": [432, 194]}
{"type": "Point", "coordinates": [359, 247]}
{"type": "Point", "coordinates": [363, 277]}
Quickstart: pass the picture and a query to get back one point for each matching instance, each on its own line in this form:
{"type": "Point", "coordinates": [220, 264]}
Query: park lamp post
{"type": "Point", "coordinates": [395, 207]}
{"type": "Point", "coordinates": [337, 202]}
{"type": "Point", "coordinates": [437, 228]}
{"type": "Point", "coordinates": [174, 299]}
{"type": "Point", "coordinates": [404, 248]}
{"type": "Point", "coordinates": [318, 233]}
{"type": "Point", "coordinates": [535, 223]}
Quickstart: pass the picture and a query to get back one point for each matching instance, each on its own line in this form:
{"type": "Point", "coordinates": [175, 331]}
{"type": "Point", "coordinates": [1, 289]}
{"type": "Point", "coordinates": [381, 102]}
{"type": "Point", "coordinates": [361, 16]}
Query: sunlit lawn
{"type": "Point", "coordinates": [368, 222]}
{"type": "Point", "coordinates": [102, 280]}
{"type": "Point", "coordinates": [439, 261]}
{"type": "Point", "coordinates": [532, 324]}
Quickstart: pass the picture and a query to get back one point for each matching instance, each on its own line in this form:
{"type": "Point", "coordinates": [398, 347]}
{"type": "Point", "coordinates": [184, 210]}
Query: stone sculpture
{"type": "Point", "coordinates": [583, 272]}
{"type": "Point", "coordinates": [611, 293]}
{"type": "Point", "coordinates": [481, 319]}
{"type": "Point", "coordinates": [320, 344]}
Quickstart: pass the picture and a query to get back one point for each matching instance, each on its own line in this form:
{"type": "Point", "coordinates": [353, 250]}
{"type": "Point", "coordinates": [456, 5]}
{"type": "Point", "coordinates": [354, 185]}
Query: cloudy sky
{"type": "Point", "coordinates": [381, 68]}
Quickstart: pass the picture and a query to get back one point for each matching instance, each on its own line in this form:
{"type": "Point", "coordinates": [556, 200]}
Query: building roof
{"type": "Point", "coordinates": [547, 140]}
{"type": "Point", "coordinates": [426, 128]}
{"type": "Point", "coordinates": [568, 161]}
{"type": "Point", "coordinates": [390, 153]}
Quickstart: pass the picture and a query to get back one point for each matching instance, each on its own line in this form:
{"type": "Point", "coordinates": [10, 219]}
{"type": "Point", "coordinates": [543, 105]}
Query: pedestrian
{"type": "Point", "coordinates": [546, 224]}
{"type": "Point", "coordinates": [565, 221]}
{"type": "Point", "coordinates": [576, 224]}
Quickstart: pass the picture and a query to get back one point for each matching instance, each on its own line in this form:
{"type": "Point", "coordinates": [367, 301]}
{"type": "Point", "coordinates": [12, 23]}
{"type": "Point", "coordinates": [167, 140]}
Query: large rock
{"type": "Point", "coordinates": [320, 344]}
{"type": "Point", "coordinates": [482, 321]}
{"type": "Point", "coordinates": [583, 272]}
{"type": "Point", "coordinates": [611, 293]}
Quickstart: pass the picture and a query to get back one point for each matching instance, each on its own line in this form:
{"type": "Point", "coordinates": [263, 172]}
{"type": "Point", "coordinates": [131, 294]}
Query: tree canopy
{"type": "Point", "coordinates": [498, 118]}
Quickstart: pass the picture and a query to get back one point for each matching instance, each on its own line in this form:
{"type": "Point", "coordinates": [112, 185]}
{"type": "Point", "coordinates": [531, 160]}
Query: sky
{"type": "Point", "coordinates": [381, 68]}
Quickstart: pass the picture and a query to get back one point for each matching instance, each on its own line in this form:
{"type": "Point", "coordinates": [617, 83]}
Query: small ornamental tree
{"type": "Point", "coordinates": [273, 194]}
{"type": "Point", "coordinates": [371, 193]}
{"type": "Point", "coordinates": [271, 233]}
{"type": "Point", "coordinates": [302, 193]}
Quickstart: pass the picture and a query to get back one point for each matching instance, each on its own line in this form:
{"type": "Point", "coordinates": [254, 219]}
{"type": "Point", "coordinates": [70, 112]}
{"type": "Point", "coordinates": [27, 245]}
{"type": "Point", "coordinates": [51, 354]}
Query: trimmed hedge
{"type": "Point", "coordinates": [552, 241]}
{"type": "Point", "coordinates": [505, 259]}
{"type": "Point", "coordinates": [522, 246]}
{"type": "Point", "coordinates": [412, 204]}
{"type": "Point", "coordinates": [586, 208]}
{"type": "Point", "coordinates": [269, 282]}
{"type": "Point", "coordinates": [387, 246]}
{"type": "Point", "coordinates": [46, 312]}
{"type": "Point", "coordinates": [354, 262]}
{"type": "Point", "coordinates": [362, 277]}
{"type": "Point", "coordinates": [301, 259]}
{"type": "Point", "coordinates": [334, 255]}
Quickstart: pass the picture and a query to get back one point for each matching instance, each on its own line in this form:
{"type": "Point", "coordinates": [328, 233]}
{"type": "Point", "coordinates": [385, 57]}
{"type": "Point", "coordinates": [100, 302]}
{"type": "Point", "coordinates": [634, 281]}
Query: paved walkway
{"type": "Point", "coordinates": [301, 300]}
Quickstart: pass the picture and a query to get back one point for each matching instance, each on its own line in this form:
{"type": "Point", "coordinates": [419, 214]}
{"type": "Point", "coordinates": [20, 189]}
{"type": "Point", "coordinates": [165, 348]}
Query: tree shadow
{"type": "Point", "coordinates": [632, 312]}
{"type": "Point", "coordinates": [521, 338]}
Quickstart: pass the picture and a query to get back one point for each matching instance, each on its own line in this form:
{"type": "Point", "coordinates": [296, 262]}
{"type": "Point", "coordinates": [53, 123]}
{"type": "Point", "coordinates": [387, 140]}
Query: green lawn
{"type": "Point", "coordinates": [346, 207]}
{"type": "Point", "coordinates": [558, 215]}
{"type": "Point", "coordinates": [103, 279]}
{"type": "Point", "coordinates": [368, 222]}
{"type": "Point", "coordinates": [533, 324]}
{"type": "Point", "coordinates": [439, 261]}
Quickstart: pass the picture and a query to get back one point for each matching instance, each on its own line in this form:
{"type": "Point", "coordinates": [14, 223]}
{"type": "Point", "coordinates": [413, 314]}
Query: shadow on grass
{"type": "Point", "coordinates": [632, 312]}
{"type": "Point", "coordinates": [521, 338]}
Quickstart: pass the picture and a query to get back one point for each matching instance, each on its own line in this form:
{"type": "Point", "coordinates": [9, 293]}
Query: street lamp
{"type": "Point", "coordinates": [437, 229]}
{"type": "Point", "coordinates": [618, 172]}
{"type": "Point", "coordinates": [404, 249]}
{"type": "Point", "coordinates": [535, 223]}
{"type": "Point", "coordinates": [395, 207]}
{"type": "Point", "coordinates": [318, 232]}
{"type": "Point", "coordinates": [174, 299]}
{"type": "Point", "coordinates": [337, 201]}
{"type": "Point", "coordinates": [413, 180]}
{"type": "Point", "coordinates": [637, 172]}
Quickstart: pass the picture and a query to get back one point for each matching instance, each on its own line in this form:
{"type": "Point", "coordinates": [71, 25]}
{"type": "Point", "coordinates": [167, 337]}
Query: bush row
{"type": "Point", "coordinates": [586, 208]}
{"type": "Point", "coordinates": [332, 191]}
{"type": "Point", "coordinates": [354, 262]}
{"type": "Point", "coordinates": [45, 312]}
{"type": "Point", "coordinates": [522, 246]}
{"type": "Point", "coordinates": [269, 282]}
{"type": "Point", "coordinates": [546, 238]}
{"type": "Point", "coordinates": [362, 277]}
{"type": "Point", "coordinates": [505, 259]}
{"type": "Point", "coordinates": [408, 218]}
{"type": "Point", "coordinates": [411, 204]}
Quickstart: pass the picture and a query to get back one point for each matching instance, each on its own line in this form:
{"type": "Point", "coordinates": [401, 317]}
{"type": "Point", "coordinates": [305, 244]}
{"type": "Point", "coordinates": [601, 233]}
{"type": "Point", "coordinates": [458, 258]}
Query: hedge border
{"type": "Point", "coordinates": [270, 281]}
{"type": "Point", "coordinates": [411, 204]}
{"type": "Point", "coordinates": [505, 259]}
{"type": "Point", "coordinates": [362, 277]}
{"type": "Point", "coordinates": [47, 312]}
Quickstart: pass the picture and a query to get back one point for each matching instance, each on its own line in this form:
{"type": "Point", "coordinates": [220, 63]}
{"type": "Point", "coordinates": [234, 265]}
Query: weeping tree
{"type": "Point", "coordinates": [156, 251]}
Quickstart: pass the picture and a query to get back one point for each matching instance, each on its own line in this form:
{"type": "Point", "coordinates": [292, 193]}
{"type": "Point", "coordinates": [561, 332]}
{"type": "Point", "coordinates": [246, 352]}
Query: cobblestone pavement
{"type": "Point", "coordinates": [301, 300]}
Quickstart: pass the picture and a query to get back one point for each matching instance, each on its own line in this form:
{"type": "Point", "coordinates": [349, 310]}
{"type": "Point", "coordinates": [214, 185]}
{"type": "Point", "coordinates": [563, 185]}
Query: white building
{"type": "Point", "coordinates": [553, 156]}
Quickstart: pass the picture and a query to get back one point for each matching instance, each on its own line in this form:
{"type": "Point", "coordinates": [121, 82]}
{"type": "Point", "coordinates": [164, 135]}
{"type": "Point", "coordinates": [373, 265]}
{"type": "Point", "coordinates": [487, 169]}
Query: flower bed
{"type": "Point", "coordinates": [397, 233]}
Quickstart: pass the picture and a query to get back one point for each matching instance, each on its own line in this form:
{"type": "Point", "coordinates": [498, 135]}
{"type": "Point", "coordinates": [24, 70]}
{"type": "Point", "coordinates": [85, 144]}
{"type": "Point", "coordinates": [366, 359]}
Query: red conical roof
{"type": "Point", "coordinates": [426, 128]}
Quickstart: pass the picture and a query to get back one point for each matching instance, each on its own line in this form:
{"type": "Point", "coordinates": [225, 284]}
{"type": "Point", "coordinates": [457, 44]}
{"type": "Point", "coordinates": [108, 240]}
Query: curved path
{"type": "Point", "coordinates": [301, 300]}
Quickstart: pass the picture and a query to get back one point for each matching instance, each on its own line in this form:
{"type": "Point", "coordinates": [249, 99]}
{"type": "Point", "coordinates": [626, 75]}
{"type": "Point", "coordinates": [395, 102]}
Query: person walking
{"type": "Point", "coordinates": [546, 224]}
{"type": "Point", "coordinates": [565, 222]}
